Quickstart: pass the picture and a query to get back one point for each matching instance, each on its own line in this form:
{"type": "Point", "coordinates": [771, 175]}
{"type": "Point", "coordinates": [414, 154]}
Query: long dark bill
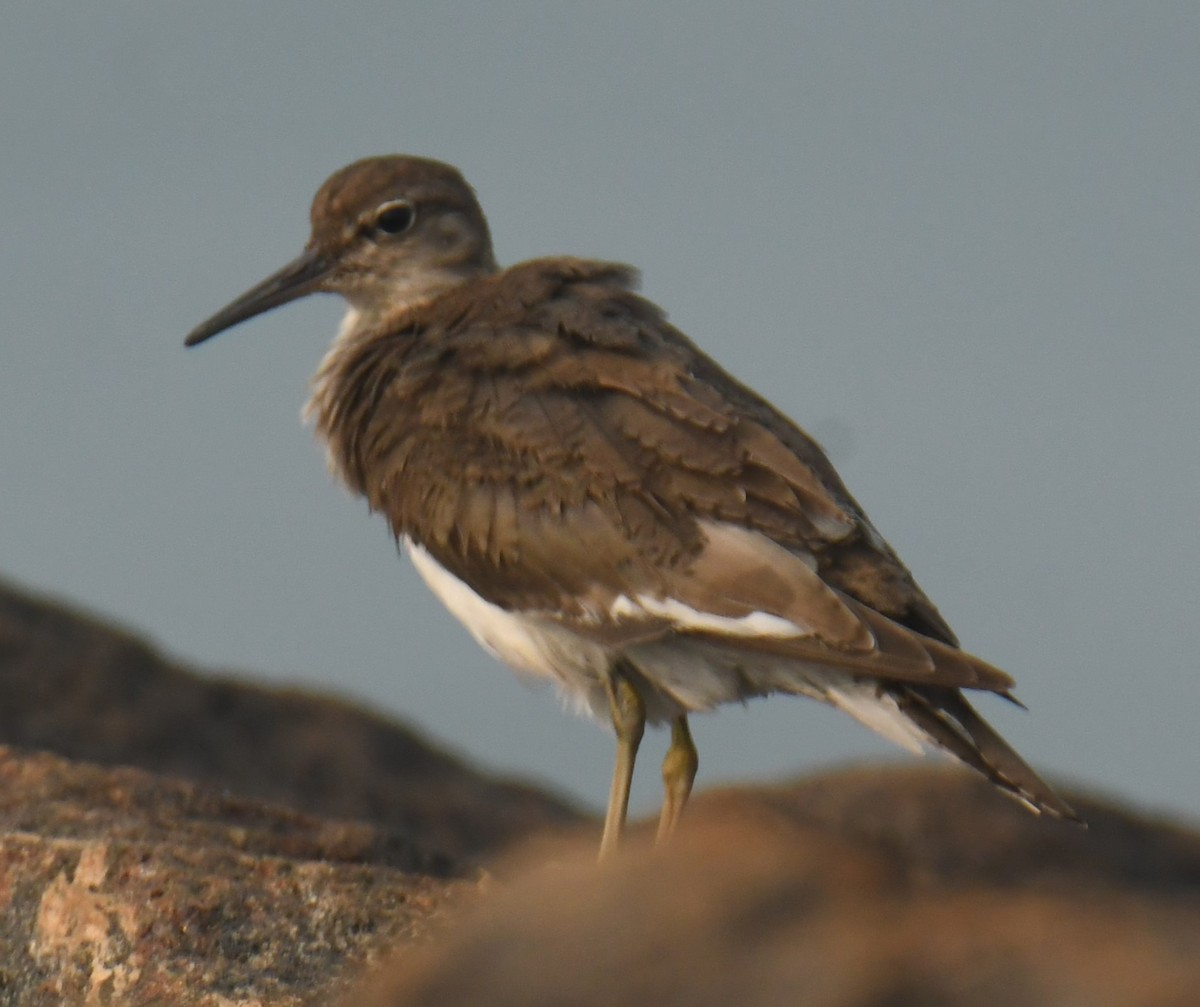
{"type": "Point", "coordinates": [299, 277]}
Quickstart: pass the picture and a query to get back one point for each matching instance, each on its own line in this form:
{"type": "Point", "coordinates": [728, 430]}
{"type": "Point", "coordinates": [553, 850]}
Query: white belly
{"type": "Point", "coordinates": [687, 675]}
{"type": "Point", "coordinates": [526, 642]}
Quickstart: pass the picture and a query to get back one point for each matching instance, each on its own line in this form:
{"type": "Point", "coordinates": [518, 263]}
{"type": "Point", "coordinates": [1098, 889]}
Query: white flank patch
{"type": "Point", "coordinates": [502, 634]}
{"type": "Point", "coordinates": [524, 641]}
{"type": "Point", "coordinates": [689, 674]}
{"type": "Point", "coordinates": [687, 618]}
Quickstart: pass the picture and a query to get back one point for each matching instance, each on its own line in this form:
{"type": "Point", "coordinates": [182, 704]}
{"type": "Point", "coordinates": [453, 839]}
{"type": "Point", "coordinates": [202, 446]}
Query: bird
{"type": "Point", "coordinates": [598, 501]}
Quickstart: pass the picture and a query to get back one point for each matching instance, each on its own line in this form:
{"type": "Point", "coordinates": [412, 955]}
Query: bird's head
{"type": "Point", "coordinates": [387, 232]}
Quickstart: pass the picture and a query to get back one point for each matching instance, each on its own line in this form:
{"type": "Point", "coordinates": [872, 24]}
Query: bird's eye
{"type": "Point", "coordinates": [394, 217]}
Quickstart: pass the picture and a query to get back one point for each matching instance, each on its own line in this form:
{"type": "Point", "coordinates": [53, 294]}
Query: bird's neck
{"type": "Point", "coordinates": [373, 317]}
{"type": "Point", "coordinates": [389, 300]}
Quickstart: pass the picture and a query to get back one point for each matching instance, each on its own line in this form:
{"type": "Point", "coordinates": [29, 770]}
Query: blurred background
{"type": "Point", "coordinates": [956, 242]}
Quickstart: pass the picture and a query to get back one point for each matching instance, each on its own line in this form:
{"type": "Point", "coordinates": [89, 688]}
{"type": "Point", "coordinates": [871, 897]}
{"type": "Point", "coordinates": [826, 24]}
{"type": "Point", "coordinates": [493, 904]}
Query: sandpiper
{"type": "Point", "coordinates": [599, 502]}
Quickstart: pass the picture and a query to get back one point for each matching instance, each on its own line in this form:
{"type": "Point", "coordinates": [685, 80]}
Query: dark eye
{"type": "Point", "coordinates": [394, 217]}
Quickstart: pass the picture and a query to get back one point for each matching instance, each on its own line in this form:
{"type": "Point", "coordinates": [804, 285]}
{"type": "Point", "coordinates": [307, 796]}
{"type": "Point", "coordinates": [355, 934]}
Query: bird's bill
{"type": "Point", "coordinates": [299, 277]}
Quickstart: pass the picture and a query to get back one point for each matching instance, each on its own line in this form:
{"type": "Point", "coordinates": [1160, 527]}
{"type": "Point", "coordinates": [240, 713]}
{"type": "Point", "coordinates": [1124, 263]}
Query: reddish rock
{"type": "Point", "coordinates": [875, 888]}
{"type": "Point", "coordinates": [125, 889]}
{"type": "Point", "coordinates": [76, 686]}
{"type": "Point", "coordinates": [45, 795]}
{"type": "Point", "coordinates": [878, 887]}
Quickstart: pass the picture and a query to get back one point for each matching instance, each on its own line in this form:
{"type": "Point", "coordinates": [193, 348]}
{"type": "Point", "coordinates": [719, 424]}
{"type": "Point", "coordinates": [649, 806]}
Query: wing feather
{"type": "Point", "coordinates": [576, 397]}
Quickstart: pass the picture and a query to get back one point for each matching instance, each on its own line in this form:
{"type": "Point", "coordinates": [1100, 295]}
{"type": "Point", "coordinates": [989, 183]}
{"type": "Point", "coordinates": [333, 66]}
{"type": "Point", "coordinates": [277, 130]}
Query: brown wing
{"type": "Point", "coordinates": [583, 459]}
{"type": "Point", "coordinates": [580, 446]}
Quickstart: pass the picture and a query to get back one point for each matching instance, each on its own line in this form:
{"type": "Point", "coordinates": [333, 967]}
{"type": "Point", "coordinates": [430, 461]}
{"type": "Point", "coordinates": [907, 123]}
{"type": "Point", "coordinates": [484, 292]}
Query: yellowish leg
{"type": "Point", "coordinates": [678, 773]}
{"type": "Point", "coordinates": [629, 721]}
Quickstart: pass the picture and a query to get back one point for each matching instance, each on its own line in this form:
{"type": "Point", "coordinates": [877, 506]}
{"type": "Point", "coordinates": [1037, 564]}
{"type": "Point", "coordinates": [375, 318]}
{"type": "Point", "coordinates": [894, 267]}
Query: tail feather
{"type": "Point", "coordinates": [952, 723]}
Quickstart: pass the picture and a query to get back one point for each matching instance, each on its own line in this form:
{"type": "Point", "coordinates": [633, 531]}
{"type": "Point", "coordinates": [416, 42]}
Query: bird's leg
{"type": "Point", "coordinates": [678, 772]}
{"type": "Point", "coordinates": [629, 721]}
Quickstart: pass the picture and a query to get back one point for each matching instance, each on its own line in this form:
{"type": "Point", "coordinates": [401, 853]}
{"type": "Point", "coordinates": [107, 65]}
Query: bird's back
{"type": "Point", "coordinates": [554, 382]}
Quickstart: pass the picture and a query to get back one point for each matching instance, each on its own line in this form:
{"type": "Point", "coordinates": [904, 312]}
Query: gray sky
{"type": "Point", "coordinates": [957, 242]}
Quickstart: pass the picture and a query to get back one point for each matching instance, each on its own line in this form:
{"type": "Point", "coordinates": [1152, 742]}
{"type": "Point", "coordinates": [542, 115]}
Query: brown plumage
{"type": "Point", "coordinates": [617, 505]}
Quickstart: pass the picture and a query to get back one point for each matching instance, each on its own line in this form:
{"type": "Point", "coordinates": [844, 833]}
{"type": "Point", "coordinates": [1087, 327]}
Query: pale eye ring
{"type": "Point", "coordinates": [394, 217]}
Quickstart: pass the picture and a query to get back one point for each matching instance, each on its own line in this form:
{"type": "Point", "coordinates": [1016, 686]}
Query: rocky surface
{"type": "Point", "coordinates": [874, 888]}
{"type": "Point", "coordinates": [77, 686]}
{"type": "Point", "coordinates": [273, 845]}
{"type": "Point", "coordinates": [119, 887]}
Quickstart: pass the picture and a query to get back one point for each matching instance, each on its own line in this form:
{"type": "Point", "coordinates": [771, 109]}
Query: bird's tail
{"type": "Point", "coordinates": [952, 723]}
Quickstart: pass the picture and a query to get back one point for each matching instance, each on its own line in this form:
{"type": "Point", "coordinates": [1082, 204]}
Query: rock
{"type": "Point", "coordinates": [45, 795]}
{"type": "Point", "coordinates": [76, 686]}
{"type": "Point", "coordinates": [181, 883]}
{"type": "Point", "coordinates": [188, 882]}
{"type": "Point", "coordinates": [121, 888]}
{"type": "Point", "coordinates": [896, 887]}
